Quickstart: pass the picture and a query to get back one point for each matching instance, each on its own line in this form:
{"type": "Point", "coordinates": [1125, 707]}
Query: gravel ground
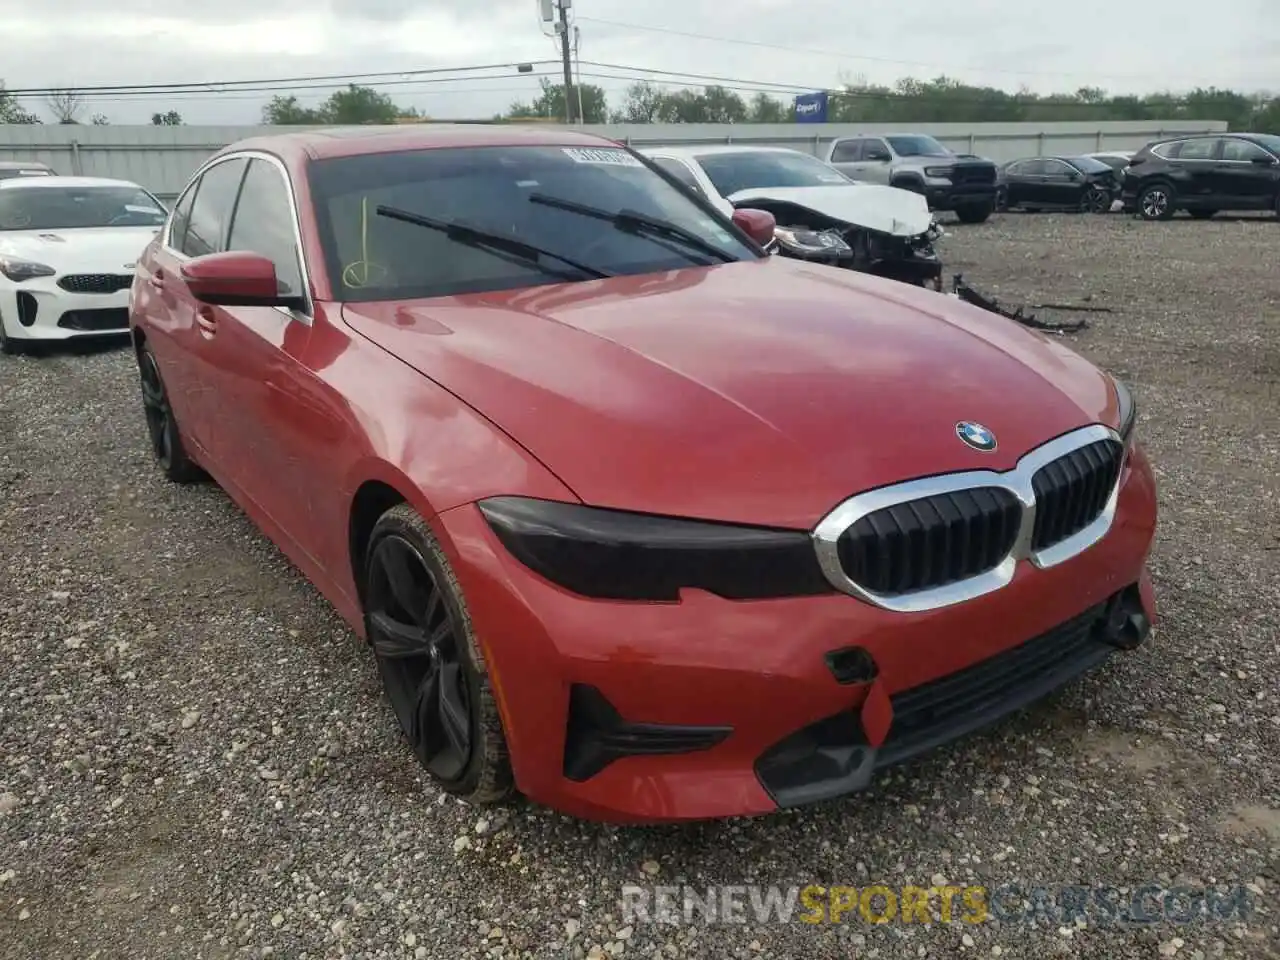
{"type": "Point", "coordinates": [195, 760]}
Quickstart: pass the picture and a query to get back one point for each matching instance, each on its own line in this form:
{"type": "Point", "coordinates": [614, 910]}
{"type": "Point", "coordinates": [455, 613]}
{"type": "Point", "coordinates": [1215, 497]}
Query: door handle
{"type": "Point", "coordinates": [207, 323]}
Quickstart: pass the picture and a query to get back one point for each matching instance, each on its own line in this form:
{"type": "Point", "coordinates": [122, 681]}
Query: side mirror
{"type": "Point", "coordinates": [237, 278]}
{"type": "Point", "coordinates": [1264, 161]}
{"type": "Point", "coordinates": [756, 224]}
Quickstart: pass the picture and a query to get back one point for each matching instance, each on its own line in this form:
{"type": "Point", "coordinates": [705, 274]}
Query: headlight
{"type": "Point", "coordinates": [811, 241]}
{"type": "Point", "coordinates": [1128, 411]}
{"type": "Point", "coordinates": [938, 173]}
{"type": "Point", "coordinates": [19, 270]}
{"type": "Point", "coordinates": [610, 554]}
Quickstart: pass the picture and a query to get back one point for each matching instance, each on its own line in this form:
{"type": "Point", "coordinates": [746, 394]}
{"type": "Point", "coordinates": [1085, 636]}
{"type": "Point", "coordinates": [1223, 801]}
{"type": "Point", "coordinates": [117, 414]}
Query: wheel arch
{"type": "Point", "coordinates": [380, 487]}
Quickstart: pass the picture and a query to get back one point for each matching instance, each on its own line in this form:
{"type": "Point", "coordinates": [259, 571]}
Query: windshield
{"type": "Point", "coordinates": [70, 208]}
{"type": "Point", "coordinates": [731, 172]}
{"type": "Point", "coordinates": [1089, 165]}
{"type": "Point", "coordinates": [918, 147]}
{"type": "Point", "coordinates": [378, 257]}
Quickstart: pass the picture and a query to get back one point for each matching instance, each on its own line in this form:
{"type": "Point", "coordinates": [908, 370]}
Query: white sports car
{"type": "Point", "coordinates": [822, 215]}
{"type": "Point", "coordinates": [67, 252]}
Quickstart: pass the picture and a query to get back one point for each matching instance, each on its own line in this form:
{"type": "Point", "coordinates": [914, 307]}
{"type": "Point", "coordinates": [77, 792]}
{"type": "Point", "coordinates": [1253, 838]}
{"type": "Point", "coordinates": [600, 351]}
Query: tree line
{"type": "Point", "coordinates": [942, 100]}
{"type": "Point", "coordinates": [908, 101]}
{"type": "Point", "coordinates": [68, 107]}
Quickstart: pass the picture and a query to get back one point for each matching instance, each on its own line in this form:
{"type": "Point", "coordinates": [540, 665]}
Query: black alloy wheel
{"type": "Point", "coordinates": [162, 428]}
{"type": "Point", "coordinates": [1097, 200]}
{"type": "Point", "coordinates": [426, 655]}
{"type": "Point", "coordinates": [1156, 202]}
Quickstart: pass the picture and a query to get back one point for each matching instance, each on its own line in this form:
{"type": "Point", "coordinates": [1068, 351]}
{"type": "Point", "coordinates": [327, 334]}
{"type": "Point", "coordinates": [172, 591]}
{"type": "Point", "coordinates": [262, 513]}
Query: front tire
{"type": "Point", "coordinates": [975, 213]}
{"type": "Point", "coordinates": [8, 346]}
{"type": "Point", "coordinates": [162, 428]}
{"type": "Point", "coordinates": [1156, 202]}
{"type": "Point", "coordinates": [1096, 201]}
{"type": "Point", "coordinates": [430, 662]}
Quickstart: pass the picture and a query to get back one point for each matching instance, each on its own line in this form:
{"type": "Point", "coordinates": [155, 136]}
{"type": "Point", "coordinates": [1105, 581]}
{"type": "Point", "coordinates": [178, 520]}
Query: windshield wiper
{"type": "Point", "coordinates": [491, 242]}
{"type": "Point", "coordinates": [635, 222]}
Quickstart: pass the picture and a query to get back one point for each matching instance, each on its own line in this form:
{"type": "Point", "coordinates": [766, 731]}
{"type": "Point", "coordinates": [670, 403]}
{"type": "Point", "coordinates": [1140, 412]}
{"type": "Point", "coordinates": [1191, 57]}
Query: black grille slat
{"type": "Point", "coordinates": [96, 282]}
{"type": "Point", "coordinates": [1072, 491]}
{"type": "Point", "coordinates": [930, 542]}
{"type": "Point", "coordinates": [918, 712]}
{"type": "Point", "coordinates": [973, 173]}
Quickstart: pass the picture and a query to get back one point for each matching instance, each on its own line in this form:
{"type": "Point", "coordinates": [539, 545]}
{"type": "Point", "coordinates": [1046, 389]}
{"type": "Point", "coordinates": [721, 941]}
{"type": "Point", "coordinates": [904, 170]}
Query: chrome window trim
{"type": "Point", "coordinates": [1017, 481]}
{"type": "Point", "coordinates": [1183, 140]}
{"type": "Point", "coordinates": [303, 316]}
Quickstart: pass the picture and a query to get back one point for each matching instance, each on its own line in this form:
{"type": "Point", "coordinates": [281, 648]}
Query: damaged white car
{"type": "Point", "coordinates": [822, 215]}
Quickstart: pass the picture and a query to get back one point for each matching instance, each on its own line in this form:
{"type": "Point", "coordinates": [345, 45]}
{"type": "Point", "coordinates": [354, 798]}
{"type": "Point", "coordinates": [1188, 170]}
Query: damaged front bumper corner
{"type": "Point", "coordinates": [910, 260]}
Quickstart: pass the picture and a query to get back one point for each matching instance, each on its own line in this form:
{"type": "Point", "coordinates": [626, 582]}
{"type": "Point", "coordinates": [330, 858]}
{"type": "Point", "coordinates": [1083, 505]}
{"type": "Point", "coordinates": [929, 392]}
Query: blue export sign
{"type": "Point", "coordinates": [811, 107]}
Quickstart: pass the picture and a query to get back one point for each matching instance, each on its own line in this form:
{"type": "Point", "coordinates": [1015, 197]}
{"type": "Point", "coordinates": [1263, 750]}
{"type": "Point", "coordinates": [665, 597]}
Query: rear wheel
{"type": "Point", "coordinates": [975, 212]}
{"type": "Point", "coordinates": [432, 670]}
{"type": "Point", "coordinates": [162, 428]}
{"type": "Point", "coordinates": [1156, 202]}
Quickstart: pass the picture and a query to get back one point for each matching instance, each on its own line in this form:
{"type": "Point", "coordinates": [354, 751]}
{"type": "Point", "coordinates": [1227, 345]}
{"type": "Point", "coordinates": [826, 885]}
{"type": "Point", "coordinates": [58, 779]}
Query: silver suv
{"type": "Point", "coordinates": [915, 161]}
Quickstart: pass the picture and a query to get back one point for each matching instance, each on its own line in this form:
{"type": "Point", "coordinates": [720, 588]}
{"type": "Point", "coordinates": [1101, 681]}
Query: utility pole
{"type": "Point", "coordinates": [563, 26]}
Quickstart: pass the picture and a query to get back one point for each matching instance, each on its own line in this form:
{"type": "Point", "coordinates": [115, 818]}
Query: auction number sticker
{"type": "Point", "coordinates": [616, 158]}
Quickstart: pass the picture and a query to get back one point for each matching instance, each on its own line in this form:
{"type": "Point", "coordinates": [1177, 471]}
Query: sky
{"type": "Point", "coordinates": [795, 45]}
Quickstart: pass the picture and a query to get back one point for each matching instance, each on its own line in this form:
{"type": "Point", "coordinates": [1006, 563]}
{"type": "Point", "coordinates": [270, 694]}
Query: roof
{"type": "Point", "coordinates": [324, 143]}
{"type": "Point", "coordinates": [39, 183]}
{"type": "Point", "coordinates": [720, 149]}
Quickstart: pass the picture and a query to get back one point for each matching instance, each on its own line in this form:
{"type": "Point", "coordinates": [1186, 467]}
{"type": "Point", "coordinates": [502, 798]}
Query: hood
{"type": "Point", "coordinates": [93, 250]}
{"type": "Point", "coordinates": [758, 392]}
{"type": "Point", "coordinates": [885, 209]}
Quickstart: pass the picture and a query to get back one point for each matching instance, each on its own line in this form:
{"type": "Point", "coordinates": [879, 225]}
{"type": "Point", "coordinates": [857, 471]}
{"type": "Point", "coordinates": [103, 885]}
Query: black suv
{"type": "Point", "coordinates": [1204, 174]}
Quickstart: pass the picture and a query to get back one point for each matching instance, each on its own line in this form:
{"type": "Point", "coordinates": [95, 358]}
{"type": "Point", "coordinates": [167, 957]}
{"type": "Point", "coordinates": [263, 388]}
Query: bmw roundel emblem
{"type": "Point", "coordinates": [976, 436]}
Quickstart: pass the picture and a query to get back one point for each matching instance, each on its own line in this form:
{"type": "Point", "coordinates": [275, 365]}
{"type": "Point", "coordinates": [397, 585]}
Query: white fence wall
{"type": "Point", "coordinates": [163, 158]}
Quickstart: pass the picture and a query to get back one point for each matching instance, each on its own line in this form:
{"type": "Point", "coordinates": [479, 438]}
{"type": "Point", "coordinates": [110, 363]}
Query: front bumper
{"type": "Point", "coordinates": [41, 310]}
{"type": "Point", "coordinates": [943, 195]}
{"type": "Point", "coordinates": [710, 708]}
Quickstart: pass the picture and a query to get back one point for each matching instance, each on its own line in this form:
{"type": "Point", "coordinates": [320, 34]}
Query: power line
{"type": "Point", "coordinates": [852, 56]}
{"type": "Point", "coordinates": [404, 87]}
{"type": "Point", "coordinates": [620, 72]}
{"type": "Point", "coordinates": [205, 93]}
{"type": "Point", "coordinates": [274, 83]}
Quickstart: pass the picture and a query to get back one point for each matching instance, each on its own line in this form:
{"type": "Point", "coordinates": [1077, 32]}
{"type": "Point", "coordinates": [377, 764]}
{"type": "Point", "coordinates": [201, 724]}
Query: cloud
{"type": "Point", "coordinates": [801, 44]}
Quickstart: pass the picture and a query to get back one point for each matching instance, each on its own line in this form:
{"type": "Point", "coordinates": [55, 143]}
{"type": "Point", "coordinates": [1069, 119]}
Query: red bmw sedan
{"type": "Point", "coordinates": [636, 518]}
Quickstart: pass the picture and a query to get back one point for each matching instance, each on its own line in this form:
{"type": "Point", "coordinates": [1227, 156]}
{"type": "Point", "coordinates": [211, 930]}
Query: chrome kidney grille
{"type": "Point", "coordinates": [931, 542]}
{"type": "Point", "coordinates": [941, 540]}
{"type": "Point", "coordinates": [1072, 491]}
